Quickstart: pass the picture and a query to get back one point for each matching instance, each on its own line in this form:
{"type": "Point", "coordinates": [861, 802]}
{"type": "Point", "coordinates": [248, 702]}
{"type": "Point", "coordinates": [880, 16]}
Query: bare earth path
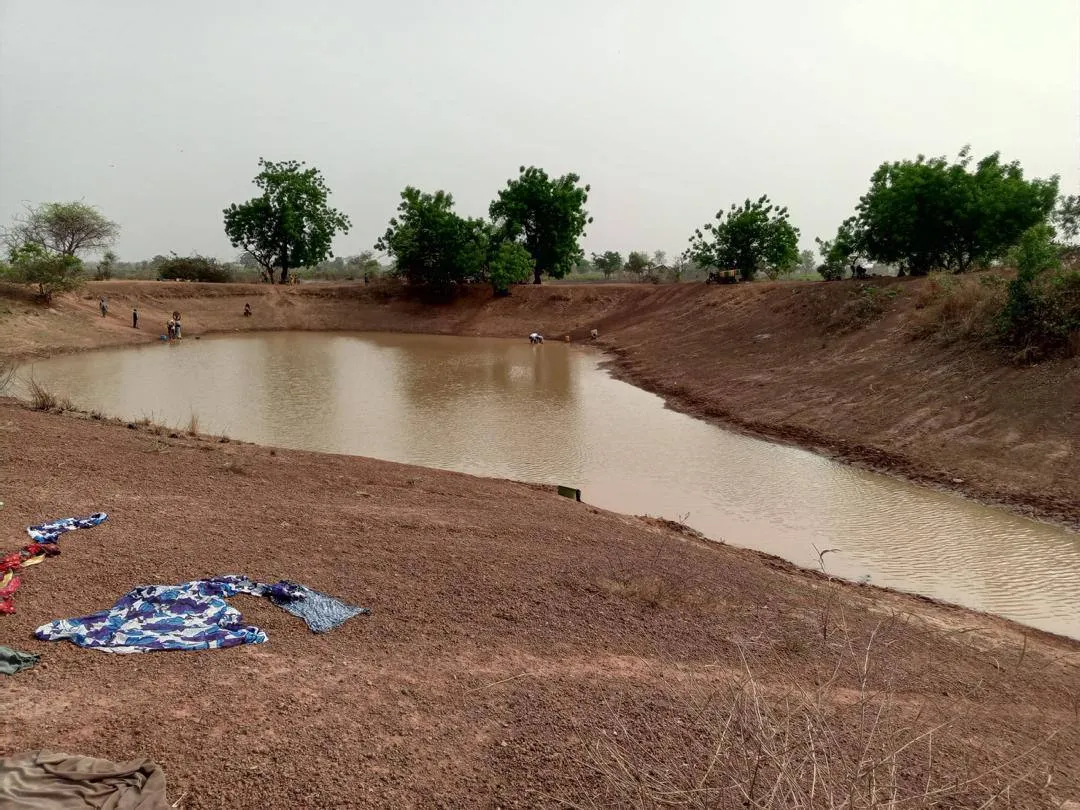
{"type": "Point", "coordinates": [524, 650]}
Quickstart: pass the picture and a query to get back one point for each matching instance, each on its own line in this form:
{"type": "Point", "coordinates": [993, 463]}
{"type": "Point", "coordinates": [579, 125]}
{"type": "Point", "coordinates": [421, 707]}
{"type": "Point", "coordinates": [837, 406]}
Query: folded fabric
{"type": "Point", "coordinates": [320, 612]}
{"type": "Point", "coordinates": [191, 616]}
{"type": "Point", "coordinates": [12, 661]}
{"type": "Point", "coordinates": [38, 779]}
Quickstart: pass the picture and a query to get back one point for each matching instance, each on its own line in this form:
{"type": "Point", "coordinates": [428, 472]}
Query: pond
{"type": "Point", "coordinates": [551, 414]}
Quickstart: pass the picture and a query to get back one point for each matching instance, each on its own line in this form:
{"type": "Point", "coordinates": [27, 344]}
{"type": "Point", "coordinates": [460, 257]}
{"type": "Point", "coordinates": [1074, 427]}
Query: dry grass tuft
{"type": "Point", "coordinates": [193, 424]}
{"type": "Point", "coordinates": [42, 399]}
{"type": "Point", "coordinates": [7, 374]}
{"type": "Point", "coordinates": [960, 306]}
{"type": "Point", "coordinates": [651, 590]}
{"type": "Point", "coordinates": [236, 467]}
{"type": "Point", "coordinates": [850, 739]}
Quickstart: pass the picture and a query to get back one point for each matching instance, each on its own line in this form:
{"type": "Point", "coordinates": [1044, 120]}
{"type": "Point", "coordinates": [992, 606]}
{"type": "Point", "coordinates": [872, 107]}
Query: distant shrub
{"type": "Point", "coordinates": [194, 268]}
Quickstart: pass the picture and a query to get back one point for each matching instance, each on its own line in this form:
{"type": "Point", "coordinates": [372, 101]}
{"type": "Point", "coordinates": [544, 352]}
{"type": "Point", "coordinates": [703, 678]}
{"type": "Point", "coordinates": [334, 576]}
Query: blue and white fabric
{"type": "Point", "coordinates": [50, 532]}
{"type": "Point", "coordinates": [191, 616]}
{"type": "Point", "coordinates": [320, 612]}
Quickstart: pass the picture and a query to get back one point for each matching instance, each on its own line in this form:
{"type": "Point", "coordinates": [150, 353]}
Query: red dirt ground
{"type": "Point", "coordinates": [525, 650]}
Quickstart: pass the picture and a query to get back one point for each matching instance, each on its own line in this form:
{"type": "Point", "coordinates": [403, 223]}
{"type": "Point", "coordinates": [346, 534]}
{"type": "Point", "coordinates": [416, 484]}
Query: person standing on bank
{"type": "Point", "coordinates": [134, 317]}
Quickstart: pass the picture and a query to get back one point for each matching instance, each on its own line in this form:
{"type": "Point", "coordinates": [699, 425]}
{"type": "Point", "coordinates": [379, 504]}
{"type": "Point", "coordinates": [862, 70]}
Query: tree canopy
{"type": "Point", "coordinates": [928, 213]}
{"type": "Point", "coordinates": [547, 215]}
{"type": "Point", "coordinates": [609, 262]}
{"type": "Point", "coordinates": [1066, 219]}
{"type": "Point", "coordinates": [49, 271]}
{"type": "Point", "coordinates": [843, 253]}
{"type": "Point", "coordinates": [431, 245]}
{"type": "Point", "coordinates": [753, 237]}
{"type": "Point", "coordinates": [510, 263]}
{"type": "Point", "coordinates": [290, 224]}
{"type": "Point", "coordinates": [64, 229]}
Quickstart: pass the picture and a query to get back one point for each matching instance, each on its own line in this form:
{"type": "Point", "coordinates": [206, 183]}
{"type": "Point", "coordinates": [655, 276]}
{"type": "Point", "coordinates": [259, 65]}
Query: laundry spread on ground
{"type": "Point", "coordinates": [43, 544]}
{"type": "Point", "coordinates": [192, 616]}
{"type": "Point", "coordinates": [320, 612]}
{"type": "Point", "coordinates": [37, 779]}
{"type": "Point", "coordinates": [14, 661]}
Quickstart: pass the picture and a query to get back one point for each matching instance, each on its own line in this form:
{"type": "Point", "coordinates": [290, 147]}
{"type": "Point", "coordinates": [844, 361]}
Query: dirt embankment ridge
{"type": "Point", "coordinates": [783, 360]}
{"type": "Point", "coordinates": [524, 650]}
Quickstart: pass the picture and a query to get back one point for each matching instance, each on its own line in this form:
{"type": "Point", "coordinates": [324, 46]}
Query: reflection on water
{"type": "Point", "coordinates": [550, 414]}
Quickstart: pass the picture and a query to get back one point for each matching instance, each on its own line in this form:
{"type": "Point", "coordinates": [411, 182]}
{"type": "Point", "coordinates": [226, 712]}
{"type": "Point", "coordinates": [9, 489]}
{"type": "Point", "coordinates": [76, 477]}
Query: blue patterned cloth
{"type": "Point", "coordinates": [50, 532]}
{"type": "Point", "coordinates": [320, 612]}
{"type": "Point", "coordinates": [191, 616]}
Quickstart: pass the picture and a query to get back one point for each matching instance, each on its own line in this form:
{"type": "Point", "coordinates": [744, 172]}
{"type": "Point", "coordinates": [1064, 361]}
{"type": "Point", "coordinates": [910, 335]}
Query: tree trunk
{"type": "Point", "coordinates": [284, 274]}
{"type": "Point", "coordinates": [536, 275]}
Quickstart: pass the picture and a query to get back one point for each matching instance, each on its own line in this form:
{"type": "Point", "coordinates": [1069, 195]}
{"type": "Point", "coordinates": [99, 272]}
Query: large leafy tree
{"type": "Point", "coordinates": [431, 245]}
{"type": "Point", "coordinates": [63, 229]}
{"type": "Point", "coordinates": [547, 215]}
{"type": "Point", "coordinates": [928, 213]}
{"type": "Point", "coordinates": [290, 224]}
{"type": "Point", "coordinates": [637, 262]}
{"type": "Point", "coordinates": [753, 237]}
{"type": "Point", "coordinates": [509, 263]}
{"type": "Point", "coordinates": [49, 271]}
{"type": "Point", "coordinates": [609, 262]}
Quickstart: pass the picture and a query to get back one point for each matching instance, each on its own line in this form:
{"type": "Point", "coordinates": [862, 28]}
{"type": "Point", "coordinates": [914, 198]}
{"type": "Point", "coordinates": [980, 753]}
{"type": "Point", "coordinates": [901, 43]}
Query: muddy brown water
{"type": "Point", "coordinates": [551, 414]}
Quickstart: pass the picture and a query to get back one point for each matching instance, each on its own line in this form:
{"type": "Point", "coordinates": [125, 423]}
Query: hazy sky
{"type": "Point", "coordinates": [157, 112]}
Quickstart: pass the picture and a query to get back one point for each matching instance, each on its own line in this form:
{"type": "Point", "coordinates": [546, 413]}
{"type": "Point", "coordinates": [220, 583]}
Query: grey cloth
{"type": "Point", "coordinates": [12, 661]}
{"type": "Point", "coordinates": [35, 780]}
{"type": "Point", "coordinates": [320, 612]}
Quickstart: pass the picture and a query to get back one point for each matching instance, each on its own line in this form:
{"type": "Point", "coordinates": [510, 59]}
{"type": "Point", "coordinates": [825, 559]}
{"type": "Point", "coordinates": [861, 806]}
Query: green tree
{"type": "Point", "coordinates": [1042, 310]}
{"type": "Point", "coordinates": [807, 265]}
{"type": "Point", "coordinates": [753, 237]}
{"type": "Point", "coordinates": [363, 264]}
{"type": "Point", "coordinates": [926, 214]}
{"type": "Point", "coordinates": [106, 267]}
{"type": "Point", "coordinates": [510, 264]}
{"type": "Point", "coordinates": [637, 263]}
{"type": "Point", "coordinates": [290, 224]}
{"type": "Point", "coordinates": [64, 229]}
{"type": "Point", "coordinates": [1066, 219]}
{"type": "Point", "coordinates": [49, 271]}
{"type": "Point", "coordinates": [609, 262]}
{"type": "Point", "coordinates": [844, 253]}
{"type": "Point", "coordinates": [548, 215]}
{"type": "Point", "coordinates": [431, 245]}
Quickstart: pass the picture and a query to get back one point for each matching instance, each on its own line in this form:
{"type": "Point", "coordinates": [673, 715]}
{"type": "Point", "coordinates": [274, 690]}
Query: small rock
{"type": "Point", "coordinates": [132, 426]}
{"type": "Point", "coordinates": [958, 480]}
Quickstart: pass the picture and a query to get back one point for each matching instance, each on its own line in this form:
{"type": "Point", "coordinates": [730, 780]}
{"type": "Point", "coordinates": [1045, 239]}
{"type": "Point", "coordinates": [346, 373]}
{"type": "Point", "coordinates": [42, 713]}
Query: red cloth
{"type": "Point", "coordinates": [48, 549]}
{"type": "Point", "coordinates": [10, 562]}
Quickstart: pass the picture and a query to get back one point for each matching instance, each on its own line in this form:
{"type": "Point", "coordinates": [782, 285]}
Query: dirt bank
{"type": "Point", "coordinates": [524, 650]}
{"type": "Point", "coordinates": [769, 358]}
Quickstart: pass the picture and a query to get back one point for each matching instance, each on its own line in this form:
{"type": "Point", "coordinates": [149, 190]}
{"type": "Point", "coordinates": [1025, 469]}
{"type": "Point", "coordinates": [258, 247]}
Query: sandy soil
{"type": "Point", "coordinates": [524, 650]}
{"type": "Point", "coordinates": [763, 357]}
